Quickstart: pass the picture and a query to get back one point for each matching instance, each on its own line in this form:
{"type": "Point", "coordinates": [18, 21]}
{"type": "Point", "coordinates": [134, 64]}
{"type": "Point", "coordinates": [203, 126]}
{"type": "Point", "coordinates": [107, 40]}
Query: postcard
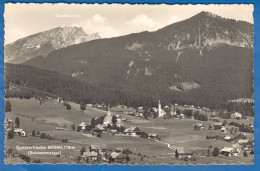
{"type": "Point", "coordinates": [129, 84]}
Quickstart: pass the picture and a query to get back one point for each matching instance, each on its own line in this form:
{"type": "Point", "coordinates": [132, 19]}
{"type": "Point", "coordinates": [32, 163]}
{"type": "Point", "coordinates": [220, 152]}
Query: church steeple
{"type": "Point", "coordinates": [108, 110]}
{"type": "Point", "coordinates": [161, 113]}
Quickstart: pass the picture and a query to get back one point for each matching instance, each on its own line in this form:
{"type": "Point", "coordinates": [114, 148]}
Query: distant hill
{"type": "Point", "coordinates": [211, 52]}
{"type": "Point", "coordinates": [33, 82]}
{"type": "Point", "coordinates": [44, 42]}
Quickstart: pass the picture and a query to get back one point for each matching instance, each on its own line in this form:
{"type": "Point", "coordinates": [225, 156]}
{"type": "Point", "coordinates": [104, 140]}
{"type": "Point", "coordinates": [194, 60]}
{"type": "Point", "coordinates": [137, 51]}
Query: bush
{"type": "Point", "coordinates": [68, 106]}
{"type": "Point", "coordinates": [43, 136]}
{"type": "Point", "coordinates": [98, 135]}
{"type": "Point", "coordinates": [25, 158]}
{"type": "Point", "coordinates": [37, 161]}
{"type": "Point", "coordinates": [245, 154]}
{"type": "Point", "coordinates": [83, 149]}
{"type": "Point", "coordinates": [64, 140]}
{"type": "Point", "coordinates": [215, 152]}
{"type": "Point", "coordinates": [82, 106]}
{"type": "Point", "coordinates": [17, 121]}
{"type": "Point", "coordinates": [10, 151]}
{"type": "Point", "coordinates": [8, 106]}
{"type": "Point", "coordinates": [49, 137]}
{"type": "Point", "coordinates": [73, 127]}
{"type": "Point", "coordinates": [10, 134]}
{"type": "Point", "coordinates": [127, 158]}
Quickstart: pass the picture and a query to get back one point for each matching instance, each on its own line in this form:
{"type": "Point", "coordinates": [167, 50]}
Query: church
{"type": "Point", "coordinates": [108, 118]}
{"type": "Point", "coordinates": [161, 112]}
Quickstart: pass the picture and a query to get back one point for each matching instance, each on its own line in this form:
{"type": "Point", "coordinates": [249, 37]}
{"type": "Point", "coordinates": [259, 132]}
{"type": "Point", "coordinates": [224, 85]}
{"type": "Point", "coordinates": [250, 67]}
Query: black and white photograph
{"type": "Point", "coordinates": [129, 84]}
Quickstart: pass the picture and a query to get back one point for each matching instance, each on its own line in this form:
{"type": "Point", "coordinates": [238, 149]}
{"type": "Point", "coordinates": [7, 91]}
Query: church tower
{"type": "Point", "coordinates": [160, 111]}
{"type": "Point", "coordinates": [108, 110]}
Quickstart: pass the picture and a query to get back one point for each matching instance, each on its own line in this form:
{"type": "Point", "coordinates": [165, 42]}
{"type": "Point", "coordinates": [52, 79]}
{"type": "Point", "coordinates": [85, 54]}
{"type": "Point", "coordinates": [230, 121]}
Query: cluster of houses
{"type": "Point", "coordinates": [10, 127]}
{"type": "Point", "coordinates": [115, 130]}
{"type": "Point", "coordinates": [99, 153]}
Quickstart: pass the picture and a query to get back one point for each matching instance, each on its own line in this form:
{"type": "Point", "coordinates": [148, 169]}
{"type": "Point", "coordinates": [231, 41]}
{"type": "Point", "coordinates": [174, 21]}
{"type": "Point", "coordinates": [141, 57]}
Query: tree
{"type": "Point", "coordinates": [224, 123]}
{"type": "Point", "coordinates": [245, 154]}
{"type": "Point", "coordinates": [43, 136]}
{"type": "Point", "coordinates": [73, 127]}
{"type": "Point", "coordinates": [33, 133]}
{"type": "Point", "coordinates": [114, 119]}
{"type": "Point", "coordinates": [10, 151]}
{"type": "Point", "coordinates": [10, 134]}
{"type": "Point", "coordinates": [17, 121]}
{"type": "Point", "coordinates": [8, 106]}
{"type": "Point", "coordinates": [68, 106]}
{"type": "Point", "coordinates": [93, 123]}
{"type": "Point", "coordinates": [215, 152]}
{"type": "Point", "coordinates": [82, 106]}
{"type": "Point", "coordinates": [83, 149]}
{"type": "Point", "coordinates": [37, 161]}
{"type": "Point", "coordinates": [64, 140]}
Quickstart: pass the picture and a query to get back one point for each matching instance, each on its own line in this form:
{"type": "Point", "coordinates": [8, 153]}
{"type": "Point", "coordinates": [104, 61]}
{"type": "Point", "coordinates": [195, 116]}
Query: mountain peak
{"type": "Point", "coordinates": [44, 42]}
{"type": "Point", "coordinates": [206, 13]}
{"type": "Point", "coordinates": [206, 30]}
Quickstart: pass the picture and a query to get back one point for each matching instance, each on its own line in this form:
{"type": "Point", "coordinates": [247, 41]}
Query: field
{"type": "Point", "coordinates": [173, 133]}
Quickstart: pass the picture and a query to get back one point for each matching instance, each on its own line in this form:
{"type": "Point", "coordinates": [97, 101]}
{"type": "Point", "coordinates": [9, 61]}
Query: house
{"type": "Point", "coordinates": [217, 125]}
{"type": "Point", "coordinates": [113, 131]}
{"type": "Point", "coordinates": [173, 113]}
{"type": "Point", "coordinates": [59, 100]}
{"type": "Point", "coordinates": [82, 126]}
{"type": "Point", "coordinates": [119, 150]}
{"type": "Point", "coordinates": [198, 126]}
{"type": "Point", "coordinates": [10, 122]}
{"type": "Point", "coordinates": [140, 108]}
{"type": "Point", "coordinates": [100, 149]}
{"type": "Point", "coordinates": [243, 141]}
{"type": "Point", "coordinates": [182, 153]}
{"type": "Point", "coordinates": [227, 151]}
{"type": "Point", "coordinates": [227, 138]}
{"type": "Point", "coordinates": [182, 116]}
{"type": "Point", "coordinates": [119, 124]}
{"type": "Point", "coordinates": [223, 130]}
{"type": "Point", "coordinates": [119, 120]}
{"type": "Point", "coordinates": [235, 145]}
{"type": "Point", "coordinates": [236, 115]}
{"type": "Point", "coordinates": [133, 131]}
{"type": "Point", "coordinates": [20, 132]}
{"type": "Point", "coordinates": [99, 128]}
{"type": "Point", "coordinates": [90, 156]}
{"type": "Point", "coordinates": [152, 136]}
{"type": "Point", "coordinates": [124, 119]}
{"type": "Point", "coordinates": [60, 129]}
{"type": "Point", "coordinates": [117, 157]}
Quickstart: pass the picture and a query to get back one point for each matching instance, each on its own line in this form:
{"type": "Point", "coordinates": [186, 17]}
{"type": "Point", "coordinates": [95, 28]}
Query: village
{"type": "Point", "coordinates": [100, 133]}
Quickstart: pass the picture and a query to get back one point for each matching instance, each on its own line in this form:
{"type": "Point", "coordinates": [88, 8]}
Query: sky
{"type": "Point", "coordinates": [108, 20]}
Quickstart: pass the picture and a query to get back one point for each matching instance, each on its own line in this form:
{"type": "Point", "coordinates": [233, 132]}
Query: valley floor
{"type": "Point", "coordinates": [173, 133]}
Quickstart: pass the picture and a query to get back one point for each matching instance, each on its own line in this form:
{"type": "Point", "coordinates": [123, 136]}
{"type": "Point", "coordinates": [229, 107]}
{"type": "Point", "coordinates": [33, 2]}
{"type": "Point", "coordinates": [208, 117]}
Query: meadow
{"type": "Point", "coordinates": [173, 133]}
